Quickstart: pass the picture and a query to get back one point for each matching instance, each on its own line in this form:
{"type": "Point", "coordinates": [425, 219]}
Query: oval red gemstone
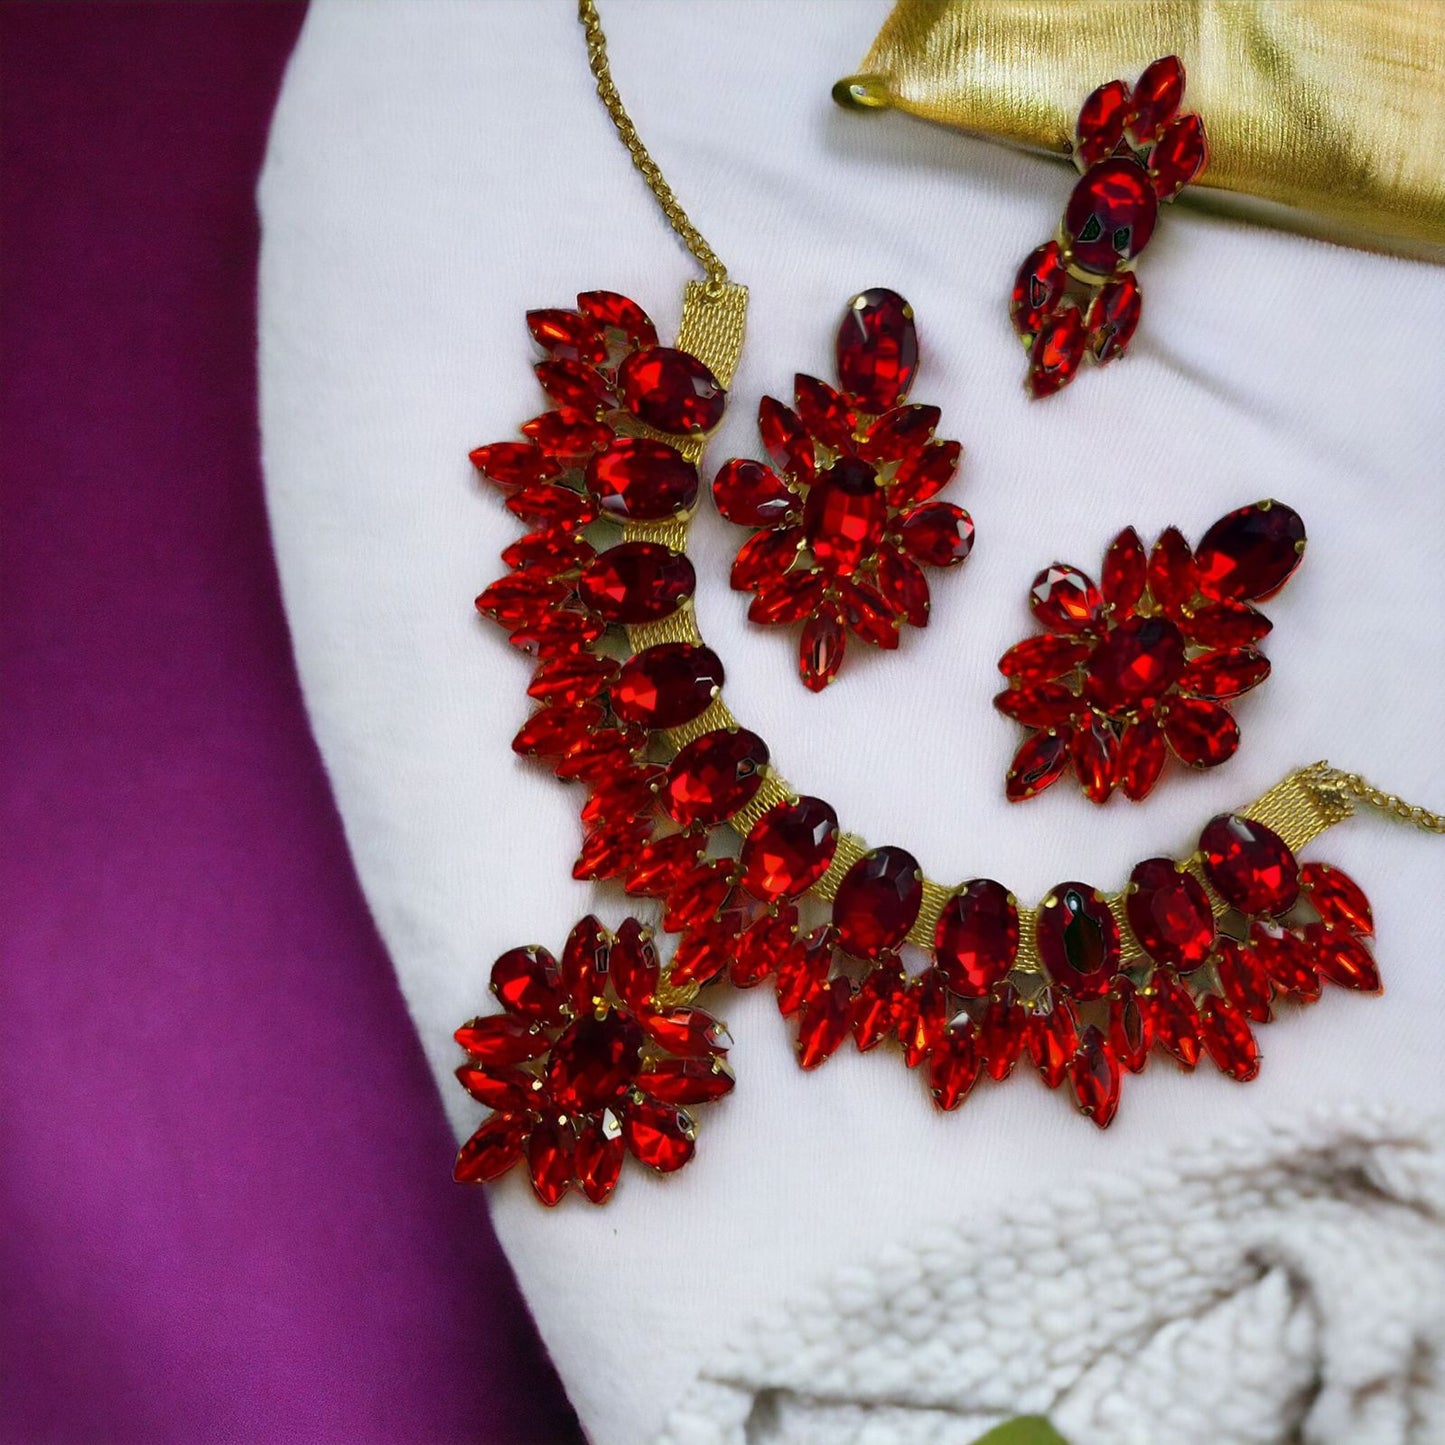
{"type": "Point", "coordinates": [1110, 215]}
{"type": "Point", "coordinates": [659, 1135]}
{"type": "Point", "coordinates": [1037, 288]}
{"type": "Point", "coordinates": [1078, 939]}
{"type": "Point", "coordinates": [594, 1062]}
{"type": "Point", "coordinates": [1136, 664]}
{"type": "Point", "coordinates": [1249, 865]}
{"type": "Point", "coordinates": [1169, 913]}
{"type": "Point", "coordinates": [1039, 763]}
{"type": "Point", "coordinates": [752, 495]}
{"type": "Point", "coordinates": [789, 848]}
{"type": "Point", "coordinates": [671, 390]}
{"type": "Point", "coordinates": [714, 775]}
{"type": "Point", "coordinates": [1202, 733]}
{"type": "Point", "coordinates": [1157, 95]}
{"type": "Point", "coordinates": [1101, 123]}
{"type": "Point", "coordinates": [844, 515]}
{"type": "Point", "coordinates": [1337, 898]}
{"type": "Point", "coordinates": [667, 685]}
{"type": "Point", "coordinates": [877, 350]}
{"type": "Point", "coordinates": [1094, 1077]}
{"type": "Point", "coordinates": [1251, 553]}
{"type": "Point", "coordinates": [639, 480]}
{"type": "Point", "coordinates": [1179, 156]}
{"type": "Point", "coordinates": [977, 937]}
{"type": "Point", "coordinates": [1113, 317]}
{"type": "Point", "coordinates": [637, 582]}
{"type": "Point", "coordinates": [528, 983]}
{"type": "Point", "coordinates": [937, 534]}
{"type": "Point", "coordinates": [877, 902]}
{"type": "Point", "coordinates": [1141, 758]}
{"type": "Point", "coordinates": [1057, 351]}
{"type": "Point", "coordinates": [1064, 599]}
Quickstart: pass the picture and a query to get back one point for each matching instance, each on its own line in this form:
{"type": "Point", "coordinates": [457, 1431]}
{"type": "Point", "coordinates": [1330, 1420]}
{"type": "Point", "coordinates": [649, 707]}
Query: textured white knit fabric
{"type": "Point", "coordinates": [436, 169]}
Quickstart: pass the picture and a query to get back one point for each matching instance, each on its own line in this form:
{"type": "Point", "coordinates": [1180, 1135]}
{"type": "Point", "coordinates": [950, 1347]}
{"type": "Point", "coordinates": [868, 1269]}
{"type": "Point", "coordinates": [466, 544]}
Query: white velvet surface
{"type": "Point", "coordinates": [437, 168]}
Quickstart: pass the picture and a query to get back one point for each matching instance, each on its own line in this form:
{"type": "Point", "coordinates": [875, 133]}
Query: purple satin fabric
{"type": "Point", "coordinates": [225, 1203]}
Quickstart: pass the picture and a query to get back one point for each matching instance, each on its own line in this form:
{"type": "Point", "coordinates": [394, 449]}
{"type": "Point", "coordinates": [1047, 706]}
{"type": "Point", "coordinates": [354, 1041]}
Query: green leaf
{"type": "Point", "coordinates": [1026, 1430]}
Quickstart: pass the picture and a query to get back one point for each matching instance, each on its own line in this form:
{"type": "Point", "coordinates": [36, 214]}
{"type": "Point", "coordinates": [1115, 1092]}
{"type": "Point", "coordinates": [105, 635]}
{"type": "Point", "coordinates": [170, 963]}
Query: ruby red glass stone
{"type": "Point", "coordinates": [789, 848]}
{"type": "Point", "coordinates": [616, 314]}
{"type": "Point", "coordinates": [1125, 570]}
{"type": "Point", "coordinates": [786, 441]}
{"type": "Point", "coordinates": [1134, 665]}
{"type": "Point", "coordinates": [492, 1150]}
{"type": "Point", "coordinates": [1249, 865]}
{"type": "Point", "coordinates": [825, 413]}
{"type": "Point", "coordinates": [637, 582]}
{"type": "Point", "coordinates": [1078, 940]}
{"type": "Point", "coordinates": [671, 390]}
{"type": "Point", "coordinates": [1169, 913]}
{"type": "Point", "coordinates": [825, 1022]}
{"type": "Point", "coordinates": [1157, 95]}
{"type": "Point", "coordinates": [1038, 658]}
{"type": "Point", "coordinates": [514, 464]}
{"type": "Point", "coordinates": [1174, 1018]}
{"type": "Point", "coordinates": [1244, 980]}
{"type": "Point", "coordinates": [1180, 154]}
{"type": "Point", "coordinates": [1101, 123]}
{"type": "Point", "coordinates": [638, 480]}
{"type": "Point", "coordinates": [1039, 763]}
{"type": "Point", "coordinates": [938, 534]}
{"type": "Point", "coordinates": [1217, 675]}
{"type": "Point", "coordinates": [594, 1062]}
{"type": "Point", "coordinates": [845, 515]}
{"type": "Point", "coordinates": [1341, 959]}
{"type": "Point", "coordinates": [877, 350]}
{"type": "Point", "coordinates": [1129, 1033]}
{"type": "Point", "coordinates": [528, 983]}
{"type": "Point", "coordinates": [659, 1135]}
{"type": "Point", "coordinates": [954, 1065]}
{"type": "Point", "coordinates": [550, 1148]}
{"type": "Point", "coordinates": [877, 902]}
{"type": "Point", "coordinates": [1113, 317]}
{"type": "Point", "coordinates": [1250, 554]}
{"type": "Point", "coordinates": [1110, 215]}
{"type": "Point", "coordinates": [1001, 1033]}
{"type": "Point", "coordinates": [821, 649]}
{"type": "Point", "coordinates": [1057, 351]}
{"type": "Point", "coordinates": [501, 1040]}
{"type": "Point", "coordinates": [1094, 752]}
{"type": "Point", "coordinates": [1337, 898]}
{"type": "Point", "coordinates": [598, 1156]}
{"type": "Point", "coordinates": [1094, 1077]}
{"type": "Point", "coordinates": [714, 776]}
{"type": "Point", "coordinates": [567, 335]}
{"type": "Point", "coordinates": [752, 495]}
{"type": "Point", "coordinates": [1228, 1040]}
{"type": "Point", "coordinates": [667, 685]}
{"type": "Point", "coordinates": [1038, 288]}
{"type": "Point", "coordinates": [1063, 599]}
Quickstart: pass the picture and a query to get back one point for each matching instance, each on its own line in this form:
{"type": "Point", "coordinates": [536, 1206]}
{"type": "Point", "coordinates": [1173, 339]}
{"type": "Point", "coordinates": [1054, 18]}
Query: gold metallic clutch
{"type": "Point", "coordinates": [1324, 116]}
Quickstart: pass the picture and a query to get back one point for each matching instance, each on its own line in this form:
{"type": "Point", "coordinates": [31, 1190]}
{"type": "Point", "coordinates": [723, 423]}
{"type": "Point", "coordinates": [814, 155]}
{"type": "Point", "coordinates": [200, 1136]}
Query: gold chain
{"type": "Point", "coordinates": [707, 258]}
{"type": "Point", "coordinates": [1353, 785]}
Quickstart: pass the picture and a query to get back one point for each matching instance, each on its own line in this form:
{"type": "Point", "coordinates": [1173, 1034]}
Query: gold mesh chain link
{"type": "Point", "coordinates": [692, 238]}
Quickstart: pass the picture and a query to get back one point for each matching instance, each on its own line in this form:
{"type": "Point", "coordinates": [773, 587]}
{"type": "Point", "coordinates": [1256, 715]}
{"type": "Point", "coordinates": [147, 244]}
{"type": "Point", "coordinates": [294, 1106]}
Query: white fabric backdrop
{"type": "Point", "coordinates": [434, 170]}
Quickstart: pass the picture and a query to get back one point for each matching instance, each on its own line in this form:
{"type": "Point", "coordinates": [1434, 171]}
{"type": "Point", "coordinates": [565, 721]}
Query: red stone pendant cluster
{"type": "Point", "coordinates": [1077, 295]}
{"type": "Point", "coordinates": [587, 1063]}
{"type": "Point", "coordinates": [845, 513]}
{"type": "Point", "coordinates": [1143, 662]}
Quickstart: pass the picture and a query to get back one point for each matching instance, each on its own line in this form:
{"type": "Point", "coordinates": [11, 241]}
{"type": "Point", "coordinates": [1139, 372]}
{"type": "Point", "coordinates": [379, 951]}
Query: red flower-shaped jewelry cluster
{"type": "Point", "coordinates": [1148, 657]}
{"type": "Point", "coordinates": [1077, 294]}
{"type": "Point", "coordinates": [588, 1063]}
{"type": "Point", "coordinates": [847, 520]}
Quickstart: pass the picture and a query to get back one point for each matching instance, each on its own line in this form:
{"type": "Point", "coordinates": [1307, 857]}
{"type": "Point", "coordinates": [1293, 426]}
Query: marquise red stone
{"type": "Point", "coordinates": [1094, 752]}
{"type": "Point", "coordinates": [514, 464]}
{"type": "Point", "coordinates": [686, 1081]}
{"type": "Point", "coordinates": [585, 961]}
{"type": "Point", "coordinates": [1078, 940]}
{"type": "Point", "coordinates": [752, 495]}
{"type": "Point", "coordinates": [1037, 288]}
{"type": "Point", "coordinates": [500, 1040]}
{"type": "Point", "coordinates": [1172, 576]}
{"type": "Point", "coordinates": [954, 1065]}
{"type": "Point", "coordinates": [803, 968]}
{"type": "Point", "coordinates": [845, 515]}
{"type": "Point", "coordinates": [825, 1022]}
{"type": "Point", "coordinates": [635, 479]}
{"type": "Point", "coordinates": [1202, 733]}
{"type": "Point", "coordinates": [616, 313]}
{"type": "Point", "coordinates": [1226, 624]}
{"type": "Point", "coordinates": [1094, 1077]}
{"type": "Point", "coordinates": [877, 350]}
{"type": "Point", "coordinates": [1038, 704]}
{"type": "Point", "coordinates": [900, 433]}
{"type": "Point", "coordinates": [976, 940]}
{"type": "Point", "coordinates": [1053, 1036]}
{"type": "Point", "coordinates": [824, 412]}
{"type": "Point", "coordinates": [821, 648]}
{"type": "Point", "coordinates": [1251, 553]}
{"type": "Point", "coordinates": [567, 335]}
{"type": "Point", "coordinates": [1064, 599]}
{"type": "Point", "coordinates": [1217, 675]}
{"type": "Point", "coordinates": [1228, 1039]}
{"type": "Point", "coordinates": [1001, 1032]}
{"type": "Point", "coordinates": [1057, 351]}
{"type": "Point", "coordinates": [1134, 665]}
{"type": "Point", "coordinates": [922, 1016]}
{"type": "Point", "coordinates": [1342, 958]}
{"type": "Point", "coordinates": [876, 1004]}
{"type": "Point", "coordinates": [528, 983]}
{"type": "Point", "coordinates": [1038, 764]}
{"type": "Point", "coordinates": [938, 534]}
{"type": "Point", "coordinates": [1141, 758]}
{"type": "Point", "coordinates": [1037, 659]}
{"type": "Point", "coordinates": [510, 1091]}
{"type": "Point", "coordinates": [1113, 317]}
{"type": "Point", "coordinates": [1244, 980]}
{"type": "Point", "coordinates": [1249, 865]}
{"type": "Point", "coordinates": [633, 965]}
{"type": "Point", "coordinates": [492, 1150]}
{"type": "Point", "coordinates": [550, 1149]}
{"type": "Point", "coordinates": [659, 1135]}
{"type": "Point", "coordinates": [1174, 1018]}
{"type": "Point", "coordinates": [1337, 898]}
{"type": "Point", "coordinates": [688, 1032]}
{"type": "Point", "coordinates": [1130, 1026]}
{"type": "Point", "coordinates": [1180, 154]}
{"type": "Point", "coordinates": [1157, 95]}
{"type": "Point", "coordinates": [714, 775]}
{"type": "Point", "coordinates": [637, 582]}
{"type": "Point", "coordinates": [786, 441]}
{"type": "Point", "coordinates": [1126, 566]}
{"type": "Point", "coordinates": [764, 556]}
{"type": "Point", "coordinates": [877, 902]}
{"type": "Point", "coordinates": [901, 584]}
{"type": "Point", "coordinates": [789, 848]}
{"type": "Point", "coordinates": [1101, 123]}
{"type": "Point", "coordinates": [1110, 215]}
{"type": "Point", "coordinates": [667, 685]}
{"type": "Point", "coordinates": [1169, 913]}
{"type": "Point", "coordinates": [575, 386]}
{"type": "Point", "coordinates": [598, 1155]}
{"type": "Point", "coordinates": [671, 390]}
{"type": "Point", "coordinates": [1286, 958]}
{"type": "Point", "coordinates": [924, 474]}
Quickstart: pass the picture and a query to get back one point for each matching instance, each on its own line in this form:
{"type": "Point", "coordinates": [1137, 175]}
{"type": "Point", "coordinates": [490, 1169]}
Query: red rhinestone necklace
{"type": "Point", "coordinates": [602, 1054]}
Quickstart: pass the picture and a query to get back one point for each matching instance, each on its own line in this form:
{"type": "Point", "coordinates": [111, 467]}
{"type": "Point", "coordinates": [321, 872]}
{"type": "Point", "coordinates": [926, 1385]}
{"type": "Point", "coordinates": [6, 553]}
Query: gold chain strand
{"type": "Point", "coordinates": [1342, 785]}
{"type": "Point", "coordinates": [692, 238]}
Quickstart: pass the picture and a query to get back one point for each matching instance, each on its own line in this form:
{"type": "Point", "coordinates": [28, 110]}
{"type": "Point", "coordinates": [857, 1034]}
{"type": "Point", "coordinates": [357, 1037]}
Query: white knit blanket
{"type": "Point", "coordinates": [830, 1261]}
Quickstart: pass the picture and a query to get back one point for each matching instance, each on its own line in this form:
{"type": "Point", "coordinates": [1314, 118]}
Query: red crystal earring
{"type": "Point", "coordinates": [1144, 663]}
{"type": "Point", "coordinates": [844, 517]}
{"type": "Point", "coordinates": [1077, 294]}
